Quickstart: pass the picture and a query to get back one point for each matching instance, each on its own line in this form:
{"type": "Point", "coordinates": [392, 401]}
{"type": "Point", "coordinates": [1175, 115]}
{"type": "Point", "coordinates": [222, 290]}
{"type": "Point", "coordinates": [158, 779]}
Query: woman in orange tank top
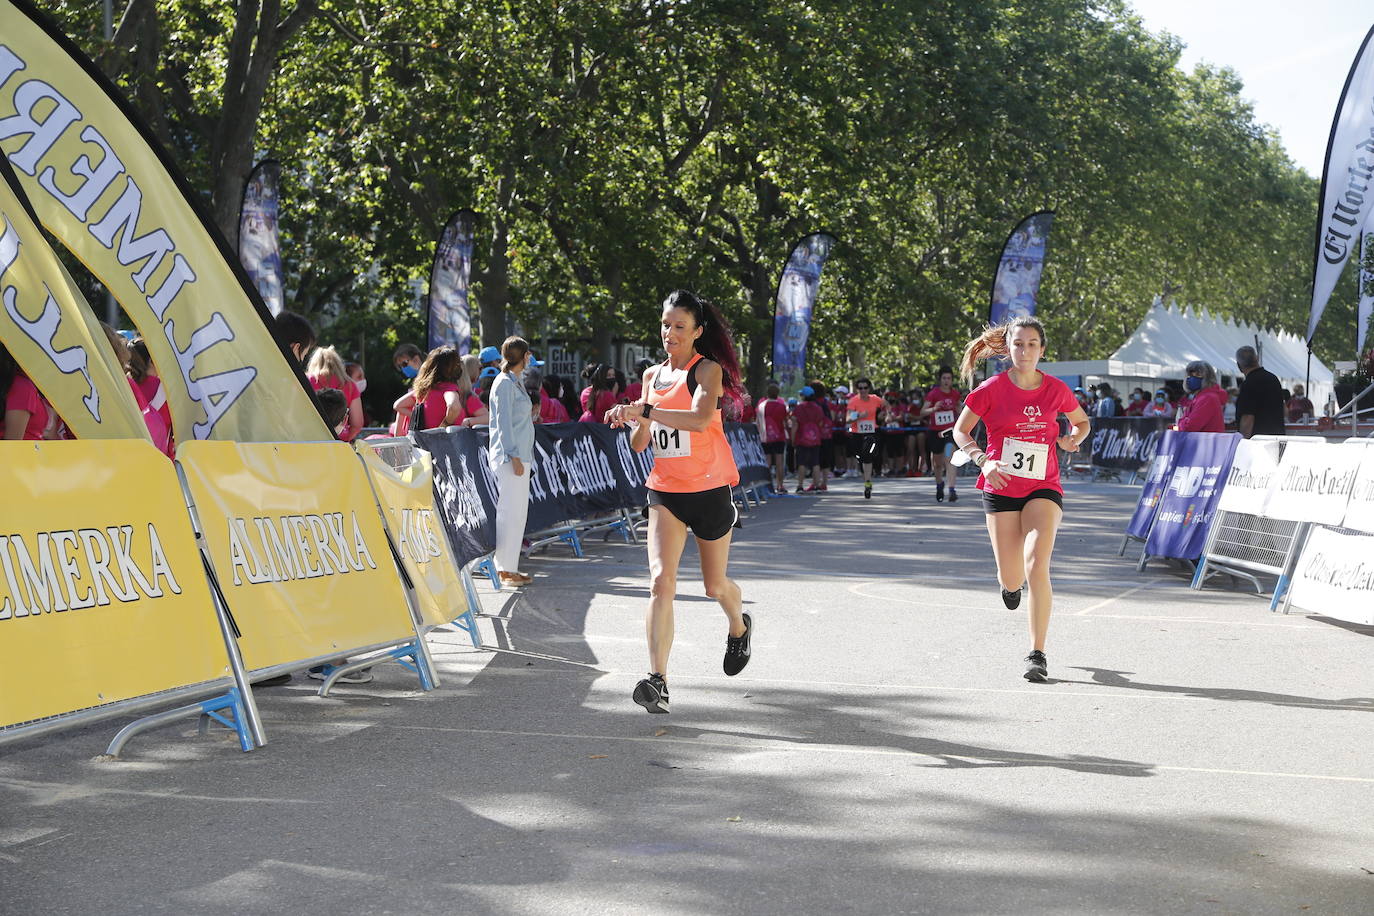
{"type": "Point", "coordinates": [679, 415]}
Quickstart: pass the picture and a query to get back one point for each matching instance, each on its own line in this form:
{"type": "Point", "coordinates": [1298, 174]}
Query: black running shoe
{"type": "Point", "coordinates": [953, 496]}
{"type": "Point", "coordinates": [1011, 599]}
{"type": "Point", "coordinates": [940, 491]}
{"type": "Point", "coordinates": [868, 490]}
{"type": "Point", "coordinates": [1037, 668]}
{"type": "Point", "coordinates": [737, 648]}
{"type": "Point", "coordinates": [652, 693]}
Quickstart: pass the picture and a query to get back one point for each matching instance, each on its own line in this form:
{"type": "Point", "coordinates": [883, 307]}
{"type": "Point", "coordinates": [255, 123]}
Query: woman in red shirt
{"type": "Point", "coordinates": [690, 484]}
{"type": "Point", "coordinates": [1022, 497]}
{"type": "Point", "coordinates": [1204, 410]}
{"type": "Point", "coordinates": [26, 410]}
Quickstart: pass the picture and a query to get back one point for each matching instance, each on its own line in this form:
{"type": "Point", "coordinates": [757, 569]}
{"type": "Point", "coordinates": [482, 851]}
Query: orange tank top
{"type": "Point", "coordinates": [687, 462]}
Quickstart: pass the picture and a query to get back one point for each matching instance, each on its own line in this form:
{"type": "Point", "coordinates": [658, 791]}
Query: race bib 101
{"type": "Point", "coordinates": [670, 443]}
{"type": "Point", "coordinates": [1024, 459]}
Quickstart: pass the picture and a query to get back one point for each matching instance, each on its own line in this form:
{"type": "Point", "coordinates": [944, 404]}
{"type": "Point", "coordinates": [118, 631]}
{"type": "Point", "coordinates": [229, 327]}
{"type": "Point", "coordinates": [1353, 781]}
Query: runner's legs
{"type": "Point", "coordinates": [1040, 522]}
{"type": "Point", "coordinates": [715, 557]}
{"type": "Point", "coordinates": [667, 538]}
{"type": "Point", "coordinates": [1008, 542]}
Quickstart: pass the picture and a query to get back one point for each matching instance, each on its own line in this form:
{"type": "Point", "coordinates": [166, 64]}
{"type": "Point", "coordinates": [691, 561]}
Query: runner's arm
{"type": "Point", "coordinates": [963, 439]}
{"type": "Point", "coordinates": [1082, 426]}
{"type": "Point", "coordinates": [705, 402]}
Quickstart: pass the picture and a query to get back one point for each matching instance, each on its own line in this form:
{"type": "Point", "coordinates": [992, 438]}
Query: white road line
{"type": "Point", "coordinates": [1106, 601]}
{"type": "Point", "coordinates": [792, 748]}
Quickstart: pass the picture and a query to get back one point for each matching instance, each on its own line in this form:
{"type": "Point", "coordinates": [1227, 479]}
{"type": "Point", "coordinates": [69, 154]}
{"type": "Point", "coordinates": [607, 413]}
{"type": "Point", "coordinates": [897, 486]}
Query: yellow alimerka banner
{"type": "Point", "coordinates": [48, 328]}
{"type": "Point", "coordinates": [110, 195]}
{"type": "Point", "coordinates": [102, 593]}
{"type": "Point", "coordinates": [407, 496]}
{"type": "Point", "coordinates": [298, 548]}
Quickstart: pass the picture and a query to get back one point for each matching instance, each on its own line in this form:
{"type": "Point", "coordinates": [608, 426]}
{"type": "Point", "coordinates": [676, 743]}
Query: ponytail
{"type": "Point", "coordinates": [716, 342]}
{"type": "Point", "coordinates": [993, 342]}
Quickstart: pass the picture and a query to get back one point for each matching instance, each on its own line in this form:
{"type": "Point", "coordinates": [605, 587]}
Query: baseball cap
{"type": "Point", "coordinates": [489, 372]}
{"type": "Point", "coordinates": [807, 391]}
{"type": "Point", "coordinates": [489, 355]}
{"type": "Point", "coordinates": [841, 389]}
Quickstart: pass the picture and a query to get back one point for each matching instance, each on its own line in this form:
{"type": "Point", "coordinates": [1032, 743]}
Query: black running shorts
{"type": "Point", "coordinates": [995, 502]}
{"type": "Point", "coordinates": [774, 448]}
{"type": "Point", "coordinates": [808, 456]}
{"type": "Point", "coordinates": [864, 446]}
{"type": "Point", "coordinates": [709, 513]}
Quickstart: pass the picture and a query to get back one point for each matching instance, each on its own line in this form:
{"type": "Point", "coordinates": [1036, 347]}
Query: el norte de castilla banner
{"type": "Point", "coordinates": [104, 188]}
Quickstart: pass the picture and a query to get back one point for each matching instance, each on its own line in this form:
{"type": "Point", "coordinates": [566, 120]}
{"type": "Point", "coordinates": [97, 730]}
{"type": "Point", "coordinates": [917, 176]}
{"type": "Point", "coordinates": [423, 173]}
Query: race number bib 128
{"type": "Point", "coordinates": [866, 427]}
{"type": "Point", "coordinates": [944, 418]}
{"type": "Point", "coordinates": [670, 443]}
{"type": "Point", "coordinates": [1024, 459]}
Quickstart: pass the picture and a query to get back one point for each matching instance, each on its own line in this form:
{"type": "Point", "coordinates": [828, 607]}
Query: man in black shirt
{"type": "Point", "coordinates": [1259, 406]}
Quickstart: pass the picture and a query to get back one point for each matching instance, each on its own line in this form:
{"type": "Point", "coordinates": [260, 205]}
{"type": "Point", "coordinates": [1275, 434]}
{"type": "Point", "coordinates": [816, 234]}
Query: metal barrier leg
{"type": "Point", "coordinates": [414, 656]}
{"type": "Point", "coordinates": [214, 708]}
{"type": "Point", "coordinates": [574, 540]}
{"type": "Point", "coordinates": [487, 565]}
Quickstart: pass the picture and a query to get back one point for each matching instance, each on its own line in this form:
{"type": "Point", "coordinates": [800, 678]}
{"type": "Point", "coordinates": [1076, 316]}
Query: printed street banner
{"type": "Point", "coordinates": [1016, 285]}
{"type": "Point", "coordinates": [102, 186]}
{"type": "Point", "coordinates": [1125, 443]}
{"type": "Point", "coordinates": [1155, 481]}
{"type": "Point", "coordinates": [1346, 196]}
{"type": "Point", "coordinates": [1187, 505]}
{"type": "Point", "coordinates": [792, 312]}
{"type": "Point", "coordinates": [259, 237]}
{"type": "Point", "coordinates": [1254, 469]}
{"type": "Point", "coordinates": [51, 332]}
{"type": "Point", "coordinates": [1335, 576]}
{"type": "Point", "coordinates": [1313, 482]}
{"type": "Point", "coordinates": [450, 313]}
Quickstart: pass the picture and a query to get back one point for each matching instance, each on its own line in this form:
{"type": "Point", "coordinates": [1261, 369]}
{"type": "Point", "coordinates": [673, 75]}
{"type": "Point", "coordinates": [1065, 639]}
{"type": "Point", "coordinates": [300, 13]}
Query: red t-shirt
{"type": "Point", "coordinates": [474, 405]}
{"type": "Point", "coordinates": [826, 432]}
{"type": "Point", "coordinates": [23, 395]}
{"type": "Point", "coordinates": [596, 413]}
{"type": "Point", "coordinates": [551, 410]}
{"type": "Point", "coordinates": [436, 406]}
{"type": "Point", "coordinates": [1027, 417]}
{"type": "Point", "coordinates": [863, 413]}
{"type": "Point", "coordinates": [633, 391]}
{"type": "Point", "coordinates": [947, 406]}
{"type": "Point", "coordinates": [774, 411]}
{"type": "Point", "coordinates": [811, 420]}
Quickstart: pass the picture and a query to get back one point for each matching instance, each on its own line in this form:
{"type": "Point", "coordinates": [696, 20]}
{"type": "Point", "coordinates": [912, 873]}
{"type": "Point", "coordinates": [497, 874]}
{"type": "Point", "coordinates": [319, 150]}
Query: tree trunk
{"type": "Point", "coordinates": [494, 296]}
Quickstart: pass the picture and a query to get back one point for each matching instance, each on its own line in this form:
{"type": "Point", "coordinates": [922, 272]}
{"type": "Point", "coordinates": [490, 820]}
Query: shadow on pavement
{"type": "Point", "coordinates": [1108, 677]}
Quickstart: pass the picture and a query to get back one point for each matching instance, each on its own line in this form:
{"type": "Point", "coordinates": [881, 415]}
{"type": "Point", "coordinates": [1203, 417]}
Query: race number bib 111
{"type": "Point", "coordinates": [866, 427]}
{"type": "Point", "coordinates": [1024, 459]}
{"type": "Point", "coordinates": [944, 418]}
{"type": "Point", "coordinates": [670, 443]}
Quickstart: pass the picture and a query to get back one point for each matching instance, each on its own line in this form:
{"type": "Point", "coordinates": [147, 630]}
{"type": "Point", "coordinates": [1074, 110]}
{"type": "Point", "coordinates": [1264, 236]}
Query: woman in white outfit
{"type": "Point", "coordinates": [511, 454]}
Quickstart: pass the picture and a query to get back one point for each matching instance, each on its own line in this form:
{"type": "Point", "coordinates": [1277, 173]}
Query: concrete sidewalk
{"type": "Point", "coordinates": [882, 754]}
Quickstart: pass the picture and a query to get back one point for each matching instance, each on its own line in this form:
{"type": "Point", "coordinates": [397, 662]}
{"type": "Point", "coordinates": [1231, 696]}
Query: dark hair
{"type": "Point", "coordinates": [334, 405]}
{"type": "Point", "coordinates": [407, 352]}
{"type": "Point", "coordinates": [513, 350]}
{"type": "Point", "coordinates": [943, 370]}
{"type": "Point", "coordinates": [994, 341]}
{"type": "Point", "coordinates": [821, 389]}
{"type": "Point", "coordinates": [863, 381]}
{"type": "Point", "coordinates": [716, 342]}
{"type": "Point", "coordinates": [773, 389]}
{"type": "Point", "coordinates": [641, 367]}
{"type": "Point", "coordinates": [291, 328]}
{"type": "Point", "coordinates": [140, 360]}
{"type": "Point", "coordinates": [443, 364]}
{"type": "Point", "coordinates": [597, 375]}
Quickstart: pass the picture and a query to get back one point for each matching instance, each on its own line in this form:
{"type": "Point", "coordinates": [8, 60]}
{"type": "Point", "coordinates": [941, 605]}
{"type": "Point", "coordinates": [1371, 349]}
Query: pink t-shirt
{"type": "Point", "coordinates": [351, 394]}
{"type": "Point", "coordinates": [551, 410]}
{"type": "Point", "coordinates": [633, 391]}
{"type": "Point", "coordinates": [156, 396]}
{"type": "Point", "coordinates": [811, 420]}
{"type": "Point", "coordinates": [596, 413]}
{"type": "Point", "coordinates": [1029, 417]}
{"type": "Point", "coordinates": [436, 407]}
{"type": "Point", "coordinates": [23, 395]}
{"type": "Point", "coordinates": [474, 405]}
{"type": "Point", "coordinates": [774, 412]}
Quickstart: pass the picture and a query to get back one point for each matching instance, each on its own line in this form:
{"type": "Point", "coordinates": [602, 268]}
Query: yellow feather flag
{"type": "Point", "coordinates": [50, 331]}
{"type": "Point", "coordinates": [104, 188]}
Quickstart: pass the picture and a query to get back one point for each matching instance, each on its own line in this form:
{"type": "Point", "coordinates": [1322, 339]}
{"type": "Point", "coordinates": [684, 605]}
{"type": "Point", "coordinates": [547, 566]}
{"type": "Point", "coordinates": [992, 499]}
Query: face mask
{"type": "Point", "coordinates": [1194, 383]}
{"type": "Point", "coordinates": [362, 385]}
{"type": "Point", "coordinates": [1135, 397]}
{"type": "Point", "coordinates": [1159, 399]}
{"type": "Point", "coordinates": [409, 371]}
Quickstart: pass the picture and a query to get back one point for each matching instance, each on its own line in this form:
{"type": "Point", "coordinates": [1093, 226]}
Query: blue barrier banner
{"type": "Point", "coordinates": [1156, 479]}
{"type": "Point", "coordinates": [1202, 462]}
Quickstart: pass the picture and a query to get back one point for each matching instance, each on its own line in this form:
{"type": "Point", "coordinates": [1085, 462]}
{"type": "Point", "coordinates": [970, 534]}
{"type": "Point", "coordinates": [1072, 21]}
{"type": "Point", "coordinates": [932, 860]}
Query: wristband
{"type": "Point", "coordinates": [645, 412]}
{"type": "Point", "coordinates": [981, 460]}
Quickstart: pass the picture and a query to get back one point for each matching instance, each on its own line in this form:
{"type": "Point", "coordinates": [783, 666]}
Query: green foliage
{"type": "Point", "coordinates": [618, 149]}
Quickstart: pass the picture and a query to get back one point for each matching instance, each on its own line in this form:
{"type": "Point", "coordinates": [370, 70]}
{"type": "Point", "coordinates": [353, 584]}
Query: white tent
{"type": "Point", "coordinates": [1169, 338]}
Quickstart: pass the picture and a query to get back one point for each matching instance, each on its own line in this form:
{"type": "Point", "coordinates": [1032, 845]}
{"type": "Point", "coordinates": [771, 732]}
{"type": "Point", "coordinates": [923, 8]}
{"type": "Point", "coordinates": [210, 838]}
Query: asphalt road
{"type": "Point", "coordinates": [1193, 753]}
